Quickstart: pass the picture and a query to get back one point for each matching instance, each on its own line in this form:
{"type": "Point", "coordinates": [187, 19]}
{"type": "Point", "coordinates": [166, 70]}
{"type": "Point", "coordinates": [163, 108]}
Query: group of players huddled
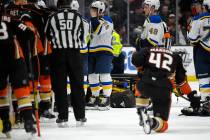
{"type": "Point", "coordinates": [25, 53]}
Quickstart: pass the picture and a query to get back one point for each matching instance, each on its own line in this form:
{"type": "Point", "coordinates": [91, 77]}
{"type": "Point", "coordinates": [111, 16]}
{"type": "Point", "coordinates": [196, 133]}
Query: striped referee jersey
{"type": "Point", "coordinates": [65, 29]}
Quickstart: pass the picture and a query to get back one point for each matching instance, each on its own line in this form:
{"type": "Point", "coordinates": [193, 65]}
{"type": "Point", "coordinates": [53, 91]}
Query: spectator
{"type": "Point", "coordinates": [164, 13]}
{"type": "Point", "coordinates": [172, 27]}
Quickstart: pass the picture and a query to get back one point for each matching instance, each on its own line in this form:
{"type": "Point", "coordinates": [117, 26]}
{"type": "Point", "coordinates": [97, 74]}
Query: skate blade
{"type": "Point", "coordinates": [104, 108]}
{"type": "Point", "coordinates": [91, 108]}
{"type": "Point", "coordinates": [18, 126]}
{"type": "Point", "coordinates": [62, 125]}
{"type": "Point", "coordinates": [147, 127]}
{"type": "Point", "coordinates": [47, 120]}
{"type": "Point", "coordinates": [145, 122]}
{"type": "Point", "coordinates": [80, 124]}
{"type": "Point", "coordinates": [31, 136]}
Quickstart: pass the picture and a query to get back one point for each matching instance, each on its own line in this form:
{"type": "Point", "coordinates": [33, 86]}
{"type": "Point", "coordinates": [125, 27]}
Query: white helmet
{"type": "Point", "coordinates": [74, 5]}
{"type": "Point", "coordinates": [155, 3]}
{"type": "Point", "coordinates": [99, 5]}
{"type": "Point", "coordinates": [41, 3]}
{"type": "Point", "coordinates": [206, 3]}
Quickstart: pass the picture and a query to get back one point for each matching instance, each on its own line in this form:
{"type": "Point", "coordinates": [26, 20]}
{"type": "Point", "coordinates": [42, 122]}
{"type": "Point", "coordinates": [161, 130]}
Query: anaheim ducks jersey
{"type": "Point", "coordinates": [158, 65]}
{"type": "Point", "coordinates": [9, 28]}
{"type": "Point", "coordinates": [30, 12]}
{"type": "Point", "coordinates": [155, 32]}
{"type": "Point", "coordinates": [101, 36]}
{"type": "Point", "coordinates": [86, 38]}
{"type": "Point", "coordinates": [200, 30]}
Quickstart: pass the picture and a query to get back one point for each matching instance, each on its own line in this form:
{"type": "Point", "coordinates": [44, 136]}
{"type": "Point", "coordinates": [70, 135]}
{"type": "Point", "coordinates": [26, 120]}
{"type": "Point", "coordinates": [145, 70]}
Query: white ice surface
{"type": "Point", "coordinates": [122, 124]}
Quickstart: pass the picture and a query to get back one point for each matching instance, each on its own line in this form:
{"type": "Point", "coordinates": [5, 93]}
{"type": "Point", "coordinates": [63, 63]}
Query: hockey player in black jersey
{"type": "Point", "coordinates": [158, 67]}
{"type": "Point", "coordinates": [12, 65]}
{"type": "Point", "coordinates": [35, 17]}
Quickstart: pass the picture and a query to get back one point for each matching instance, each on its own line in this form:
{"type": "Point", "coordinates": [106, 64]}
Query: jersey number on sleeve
{"type": "Point", "coordinates": [3, 31]}
{"type": "Point", "coordinates": [161, 61]}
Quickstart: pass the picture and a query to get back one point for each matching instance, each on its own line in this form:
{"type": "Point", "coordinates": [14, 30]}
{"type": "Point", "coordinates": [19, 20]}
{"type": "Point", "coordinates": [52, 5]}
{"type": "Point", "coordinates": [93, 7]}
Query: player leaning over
{"type": "Point", "coordinates": [100, 55]}
{"type": "Point", "coordinates": [199, 37]}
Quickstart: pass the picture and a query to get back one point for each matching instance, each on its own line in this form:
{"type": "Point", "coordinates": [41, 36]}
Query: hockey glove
{"type": "Point", "coordinates": [194, 99]}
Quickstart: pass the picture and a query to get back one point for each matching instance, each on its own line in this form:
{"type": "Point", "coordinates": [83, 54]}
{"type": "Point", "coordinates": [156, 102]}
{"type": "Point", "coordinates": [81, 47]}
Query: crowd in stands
{"type": "Point", "coordinates": [118, 11]}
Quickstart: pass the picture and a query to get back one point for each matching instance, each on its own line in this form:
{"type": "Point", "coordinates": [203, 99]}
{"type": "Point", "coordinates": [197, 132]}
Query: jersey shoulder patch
{"type": "Point", "coordinates": [155, 19]}
{"type": "Point", "coordinates": [201, 16]}
{"type": "Point", "coordinates": [107, 18]}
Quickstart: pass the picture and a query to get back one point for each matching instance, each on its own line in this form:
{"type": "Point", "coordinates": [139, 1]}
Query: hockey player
{"type": "Point", "coordinates": [34, 17]}
{"type": "Point", "coordinates": [158, 66]}
{"type": "Point", "coordinates": [100, 55]}
{"type": "Point", "coordinates": [13, 64]}
{"type": "Point", "coordinates": [155, 31]}
{"type": "Point", "coordinates": [199, 38]}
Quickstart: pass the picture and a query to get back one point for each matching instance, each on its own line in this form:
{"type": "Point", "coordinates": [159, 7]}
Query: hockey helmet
{"type": "Point", "coordinates": [41, 3]}
{"type": "Point", "coordinates": [74, 5]}
{"type": "Point", "coordinates": [206, 3]}
{"type": "Point", "coordinates": [99, 5]}
{"type": "Point", "coordinates": [153, 3]}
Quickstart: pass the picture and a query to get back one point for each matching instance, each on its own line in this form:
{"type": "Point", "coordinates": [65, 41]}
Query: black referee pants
{"type": "Point", "coordinates": [67, 62]}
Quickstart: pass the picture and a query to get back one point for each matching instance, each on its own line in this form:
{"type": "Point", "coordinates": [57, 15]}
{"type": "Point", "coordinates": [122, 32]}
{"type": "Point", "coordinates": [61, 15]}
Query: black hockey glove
{"type": "Point", "coordinates": [194, 99]}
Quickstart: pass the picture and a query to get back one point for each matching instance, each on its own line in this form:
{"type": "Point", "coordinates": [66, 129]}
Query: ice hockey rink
{"type": "Point", "coordinates": [122, 124]}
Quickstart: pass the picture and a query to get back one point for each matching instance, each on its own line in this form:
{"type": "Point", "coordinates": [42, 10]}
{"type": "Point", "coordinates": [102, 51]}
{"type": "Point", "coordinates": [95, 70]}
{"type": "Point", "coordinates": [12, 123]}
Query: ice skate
{"type": "Point", "coordinates": [93, 104]}
{"type": "Point", "coordinates": [104, 104]}
{"type": "Point", "coordinates": [145, 120]}
{"type": "Point", "coordinates": [7, 128]}
{"type": "Point", "coordinates": [47, 116]}
{"type": "Point", "coordinates": [62, 123]}
{"type": "Point", "coordinates": [29, 128]}
{"type": "Point", "coordinates": [81, 122]}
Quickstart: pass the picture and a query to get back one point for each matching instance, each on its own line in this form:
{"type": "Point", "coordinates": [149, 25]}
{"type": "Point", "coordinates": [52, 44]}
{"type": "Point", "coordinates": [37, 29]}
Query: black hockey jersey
{"type": "Point", "coordinates": [30, 12]}
{"type": "Point", "coordinates": [159, 65]}
{"type": "Point", "coordinates": [9, 29]}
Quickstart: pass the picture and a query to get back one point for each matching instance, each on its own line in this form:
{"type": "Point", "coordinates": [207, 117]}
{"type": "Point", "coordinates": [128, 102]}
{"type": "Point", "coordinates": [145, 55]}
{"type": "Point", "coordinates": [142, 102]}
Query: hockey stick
{"type": "Point", "coordinates": [187, 99]}
{"type": "Point", "coordinates": [33, 90]}
{"type": "Point", "coordinates": [183, 97]}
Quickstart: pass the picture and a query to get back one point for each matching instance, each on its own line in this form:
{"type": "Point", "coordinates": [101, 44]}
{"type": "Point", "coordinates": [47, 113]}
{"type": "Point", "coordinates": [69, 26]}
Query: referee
{"type": "Point", "coordinates": [65, 30]}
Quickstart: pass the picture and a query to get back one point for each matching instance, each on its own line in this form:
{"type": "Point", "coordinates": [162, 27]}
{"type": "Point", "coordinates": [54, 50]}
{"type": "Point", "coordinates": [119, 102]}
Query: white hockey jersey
{"type": "Point", "coordinates": [154, 30]}
{"type": "Point", "coordinates": [87, 33]}
{"type": "Point", "coordinates": [200, 30]}
{"type": "Point", "coordinates": [101, 38]}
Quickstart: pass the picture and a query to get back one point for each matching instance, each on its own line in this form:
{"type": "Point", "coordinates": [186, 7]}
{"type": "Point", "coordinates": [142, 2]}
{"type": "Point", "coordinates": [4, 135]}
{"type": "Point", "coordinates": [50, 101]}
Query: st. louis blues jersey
{"type": "Point", "coordinates": [86, 38]}
{"type": "Point", "coordinates": [101, 36]}
{"type": "Point", "coordinates": [155, 32]}
{"type": "Point", "coordinates": [200, 31]}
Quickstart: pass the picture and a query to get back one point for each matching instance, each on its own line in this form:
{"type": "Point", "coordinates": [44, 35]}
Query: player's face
{"type": "Point", "coordinates": [93, 12]}
{"type": "Point", "coordinates": [198, 8]}
{"type": "Point", "coordinates": [146, 9]}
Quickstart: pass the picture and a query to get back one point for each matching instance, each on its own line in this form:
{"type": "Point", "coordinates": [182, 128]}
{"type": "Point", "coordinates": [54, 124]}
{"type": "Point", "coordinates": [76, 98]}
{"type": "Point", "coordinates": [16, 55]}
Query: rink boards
{"type": "Point", "coordinates": [186, 53]}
